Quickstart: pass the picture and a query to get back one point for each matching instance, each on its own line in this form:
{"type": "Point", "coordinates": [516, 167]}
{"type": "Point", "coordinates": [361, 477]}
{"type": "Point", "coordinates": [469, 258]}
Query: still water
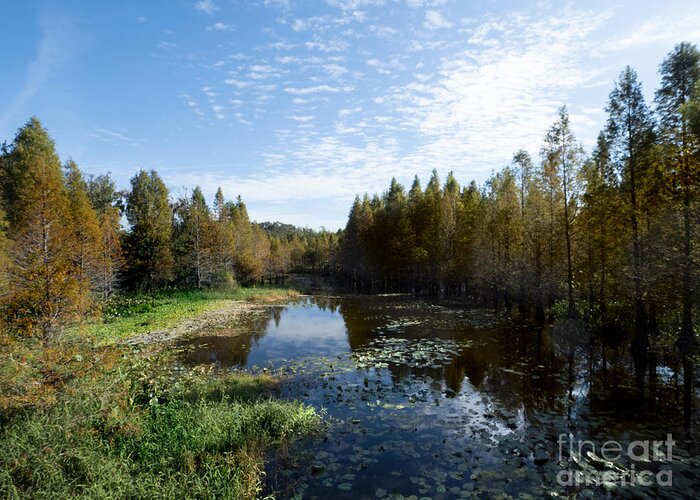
{"type": "Point", "coordinates": [441, 401]}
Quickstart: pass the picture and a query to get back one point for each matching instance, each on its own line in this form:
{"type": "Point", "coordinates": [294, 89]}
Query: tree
{"type": "Point", "coordinates": [394, 234]}
{"type": "Point", "coordinates": [103, 193]}
{"type": "Point", "coordinates": [107, 202]}
{"type": "Point", "coordinates": [450, 219]}
{"type": "Point", "coordinates": [5, 260]}
{"type": "Point", "coordinates": [563, 155]}
{"type": "Point", "coordinates": [522, 162]}
{"type": "Point", "coordinates": [523, 169]}
{"type": "Point", "coordinates": [599, 217]}
{"type": "Point", "coordinates": [223, 243]}
{"type": "Point", "coordinates": [691, 110]}
{"type": "Point", "coordinates": [630, 133]}
{"type": "Point", "coordinates": [150, 260]}
{"type": "Point", "coordinates": [194, 240]}
{"type": "Point", "coordinates": [680, 73]}
{"type": "Point", "coordinates": [44, 289]}
{"type": "Point", "coordinates": [429, 240]}
{"type": "Point", "coordinates": [85, 232]}
{"type": "Point", "coordinates": [500, 234]}
{"type": "Point", "coordinates": [536, 237]}
{"type": "Point", "coordinates": [246, 265]}
{"type": "Point", "coordinates": [353, 258]}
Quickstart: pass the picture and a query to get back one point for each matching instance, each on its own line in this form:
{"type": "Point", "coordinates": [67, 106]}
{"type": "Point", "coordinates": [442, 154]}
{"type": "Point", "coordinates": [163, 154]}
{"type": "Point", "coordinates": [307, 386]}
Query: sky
{"type": "Point", "coordinates": [299, 105]}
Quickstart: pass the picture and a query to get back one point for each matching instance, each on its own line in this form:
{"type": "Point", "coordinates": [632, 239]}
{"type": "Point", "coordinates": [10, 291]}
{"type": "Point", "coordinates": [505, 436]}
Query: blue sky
{"type": "Point", "coordinates": [298, 105]}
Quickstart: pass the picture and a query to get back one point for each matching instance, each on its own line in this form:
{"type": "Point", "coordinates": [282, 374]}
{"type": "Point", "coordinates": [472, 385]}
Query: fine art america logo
{"type": "Point", "coordinates": [607, 455]}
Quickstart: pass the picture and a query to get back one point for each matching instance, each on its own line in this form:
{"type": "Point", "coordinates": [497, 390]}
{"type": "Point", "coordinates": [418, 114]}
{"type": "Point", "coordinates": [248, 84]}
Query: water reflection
{"type": "Point", "coordinates": [307, 327]}
{"type": "Point", "coordinates": [494, 396]}
{"type": "Point", "coordinates": [520, 366]}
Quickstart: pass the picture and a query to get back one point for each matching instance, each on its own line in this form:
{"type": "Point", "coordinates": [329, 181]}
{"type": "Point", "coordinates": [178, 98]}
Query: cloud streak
{"type": "Point", "coordinates": [55, 49]}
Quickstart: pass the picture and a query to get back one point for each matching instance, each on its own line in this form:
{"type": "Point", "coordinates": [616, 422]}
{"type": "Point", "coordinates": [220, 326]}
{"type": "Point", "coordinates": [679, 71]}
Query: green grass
{"type": "Point", "coordinates": [87, 417]}
{"type": "Point", "coordinates": [136, 434]}
{"type": "Point", "coordinates": [132, 314]}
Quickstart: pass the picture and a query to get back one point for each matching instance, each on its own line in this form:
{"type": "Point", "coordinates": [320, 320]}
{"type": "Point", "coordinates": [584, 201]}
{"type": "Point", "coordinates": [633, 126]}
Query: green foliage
{"type": "Point", "coordinates": [131, 430]}
{"type": "Point", "coordinates": [103, 193]}
{"type": "Point", "coordinates": [128, 314]}
{"type": "Point", "coordinates": [194, 241]}
{"type": "Point", "coordinates": [149, 254]}
{"type": "Point", "coordinates": [63, 251]}
{"type": "Point", "coordinates": [614, 234]}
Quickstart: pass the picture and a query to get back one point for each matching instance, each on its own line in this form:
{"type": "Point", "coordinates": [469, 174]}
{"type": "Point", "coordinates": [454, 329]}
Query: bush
{"type": "Point", "coordinates": [137, 431]}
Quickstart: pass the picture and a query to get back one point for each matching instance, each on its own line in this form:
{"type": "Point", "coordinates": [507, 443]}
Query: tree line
{"type": "Point", "coordinates": [65, 249]}
{"type": "Point", "coordinates": [610, 237]}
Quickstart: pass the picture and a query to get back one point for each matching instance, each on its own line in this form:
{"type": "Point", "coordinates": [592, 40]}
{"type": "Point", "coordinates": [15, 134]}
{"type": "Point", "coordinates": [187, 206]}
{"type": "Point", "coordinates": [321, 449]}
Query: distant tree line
{"type": "Point", "coordinates": [611, 237]}
{"type": "Point", "coordinates": [64, 248]}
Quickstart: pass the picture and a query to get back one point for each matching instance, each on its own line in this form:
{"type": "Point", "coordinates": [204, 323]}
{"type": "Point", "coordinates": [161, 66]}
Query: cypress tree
{"type": "Point", "coordinates": [84, 228]}
{"type": "Point", "coordinates": [45, 290]}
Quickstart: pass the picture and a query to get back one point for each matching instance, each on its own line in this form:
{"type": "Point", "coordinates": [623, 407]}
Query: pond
{"type": "Point", "coordinates": [437, 400]}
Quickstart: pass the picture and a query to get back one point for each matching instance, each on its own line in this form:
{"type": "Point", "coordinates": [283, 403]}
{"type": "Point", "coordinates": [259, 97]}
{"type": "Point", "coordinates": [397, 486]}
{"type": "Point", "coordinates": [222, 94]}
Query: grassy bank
{"type": "Point", "coordinates": [81, 418]}
{"type": "Point", "coordinates": [133, 314]}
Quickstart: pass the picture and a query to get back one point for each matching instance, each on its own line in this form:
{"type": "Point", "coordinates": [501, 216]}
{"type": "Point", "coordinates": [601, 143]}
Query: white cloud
{"type": "Point", "coordinates": [383, 31]}
{"type": "Point", "coordinates": [237, 83]}
{"type": "Point", "coordinates": [302, 119]}
{"type": "Point", "coordinates": [106, 135]}
{"type": "Point", "coordinates": [264, 71]}
{"type": "Point", "coordinates": [218, 111]}
{"type": "Point", "coordinates": [282, 45]}
{"type": "Point", "coordinates": [349, 111]}
{"type": "Point", "coordinates": [467, 111]}
{"type": "Point", "coordinates": [315, 89]}
{"type": "Point", "coordinates": [333, 173]}
{"type": "Point", "coordinates": [354, 4]}
{"type": "Point", "coordinates": [335, 70]}
{"type": "Point", "coordinates": [220, 27]}
{"type": "Point", "coordinates": [276, 3]}
{"type": "Point", "coordinates": [299, 25]}
{"type": "Point", "coordinates": [434, 20]}
{"type": "Point", "coordinates": [192, 104]}
{"type": "Point", "coordinates": [655, 30]}
{"type": "Point", "coordinates": [488, 103]}
{"type": "Point", "coordinates": [345, 121]}
{"type": "Point", "coordinates": [332, 45]}
{"type": "Point", "coordinates": [206, 6]}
